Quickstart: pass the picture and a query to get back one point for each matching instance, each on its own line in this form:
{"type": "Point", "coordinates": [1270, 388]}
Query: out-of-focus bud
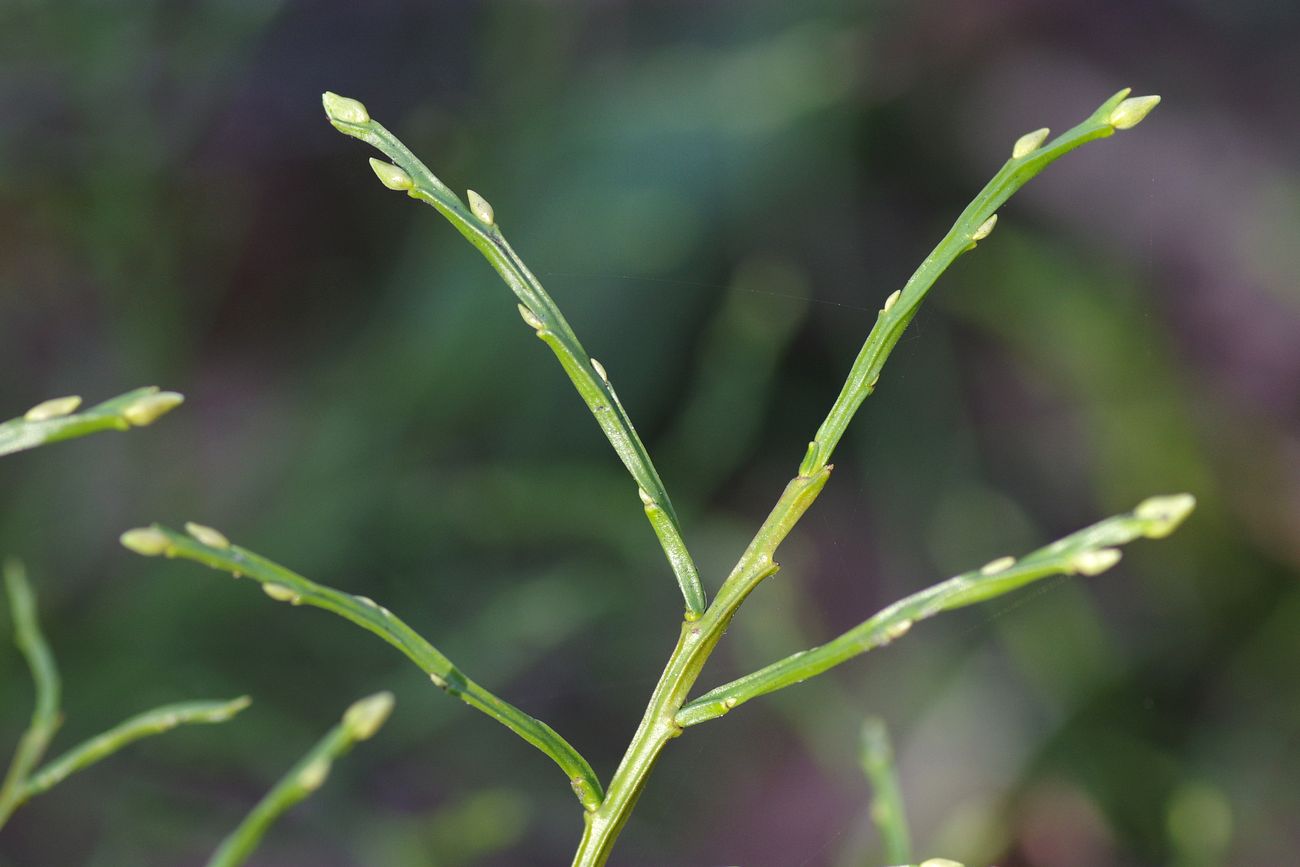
{"type": "Point", "coordinates": [149, 541]}
{"type": "Point", "coordinates": [148, 409]}
{"type": "Point", "coordinates": [1163, 514]}
{"type": "Point", "coordinates": [365, 717]}
{"type": "Point", "coordinates": [54, 408]}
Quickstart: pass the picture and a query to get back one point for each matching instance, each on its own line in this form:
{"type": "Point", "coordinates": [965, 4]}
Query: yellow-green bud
{"type": "Point", "coordinates": [208, 536]}
{"type": "Point", "coordinates": [1029, 142]}
{"type": "Point", "coordinates": [479, 207]}
{"type": "Point", "coordinates": [892, 299]}
{"type": "Point", "coordinates": [149, 541]}
{"type": "Point", "coordinates": [54, 408]}
{"type": "Point", "coordinates": [985, 228]}
{"type": "Point", "coordinates": [530, 317]}
{"type": "Point", "coordinates": [148, 409]}
{"type": "Point", "coordinates": [1164, 514]}
{"type": "Point", "coordinates": [314, 775]}
{"type": "Point", "coordinates": [1001, 564]}
{"type": "Point", "coordinates": [365, 717]}
{"type": "Point", "coordinates": [391, 176]}
{"type": "Point", "coordinates": [1095, 562]}
{"type": "Point", "coordinates": [280, 593]}
{"type": "Point", "coordinates": [1131, 111]}
{"type": "Point", "coordinates": [344, 110]}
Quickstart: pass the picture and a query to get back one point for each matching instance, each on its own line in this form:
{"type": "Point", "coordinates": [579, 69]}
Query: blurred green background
{"type": "Point", "coordinates": [719, 195]}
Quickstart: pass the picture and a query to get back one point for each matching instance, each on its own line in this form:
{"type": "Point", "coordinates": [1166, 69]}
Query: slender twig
{"type": "Point", "coordinates": [21, 783]}
{"type": "Point", "coordinates": [210, 548]}
{"type": "Point", "coordinates": [877, 758]}
{"type": "Point", "coordinates": [57, 419]}
{"type": "Point", "coordinates": [477, 222]}
{"type": "Point", "coordinates": [147, 724]}
{"type": "Point", "coordinates": [1088, 552]}
{"type": "Point", "coordinates": [360, 723]}
{"type": "Point", "coordinates": [702, 631]}
{"type": "Point", "coordinates": [46, 717]}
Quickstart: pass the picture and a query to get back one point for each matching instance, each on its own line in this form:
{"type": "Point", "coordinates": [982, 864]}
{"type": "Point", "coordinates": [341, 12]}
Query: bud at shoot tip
{"type": "Point", "coordinates": [1131, 111]}
{"type": "Point", "coordinates": [53, 408]}
{"type": "Point", "coordinates": [148, 409]}
{"type": "Point", "coordinates": [365, 717]}
{"type": "Point", "coordinates": [479, 207]}
{"type": "Point", "coordinates": [1029, 142]}
{"type": "Point", "coordinates": [208, 536]}
{"type": "Point", "coordinates": [343, 110]}
{"type": "Point", "coordinates": [1164, 514]}
{"type": "Point", "coordinates": [149, 541]}
{"type": "Point", "coordinates": [391, 176]}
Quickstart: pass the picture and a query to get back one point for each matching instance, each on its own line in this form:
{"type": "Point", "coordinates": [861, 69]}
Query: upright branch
{"type": "Point", "coordinates": [211, 548]}
{"type": "Point", "coordinates": [57, 419]}
{"type": "Point", "coordinates": [359, 723]}
{"type": "Point", "coordinates": [477, 222]}
{"type": "Point", "coordinates": [22, 782]}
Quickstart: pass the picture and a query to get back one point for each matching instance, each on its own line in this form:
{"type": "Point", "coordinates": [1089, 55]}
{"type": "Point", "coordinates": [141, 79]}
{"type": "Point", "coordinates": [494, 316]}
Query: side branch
{"type": "Point", "coordinates": [1087, 552]}
{"type": "Point", "coordinates": [147, 724]}
{"type": "Point", "coordinates": [46, 717]}
{"type": "Point", "coordinates": [360, 723]}
{"type": "Point", "coordinates": [1029, 157]}
{"type": "Point", "coordinates": [57, 419]}
{"type": "Point", "coordinates": [209, 547]}
{"type": "Point", "coordinates": [477, 223]}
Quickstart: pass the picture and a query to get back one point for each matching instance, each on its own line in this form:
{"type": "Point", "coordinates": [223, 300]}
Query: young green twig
{"type": "Point", "coordinates": [21, 783]}
{"type": "Point", "coordinates": [57, 419]}
{"type": "Point", "coordinates": [477, 222]}
{"type": "Point", "coordinates": [877, 757]}
{"type": "Point", "coordinates": [147, 724]}
{"type": "Point", "coordinates": [359, 723]}
{"type": "Point", "coordinates": [1088, 552]}
{"type": "Point", "coordinates": [209, 547]}
{"type": "Point", "coordinates": [45, 718]}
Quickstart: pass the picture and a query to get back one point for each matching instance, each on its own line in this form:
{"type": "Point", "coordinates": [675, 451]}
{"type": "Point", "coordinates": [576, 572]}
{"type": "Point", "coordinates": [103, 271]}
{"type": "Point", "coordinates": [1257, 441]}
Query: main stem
{"type": "Point", "coordinates": [697, 640]}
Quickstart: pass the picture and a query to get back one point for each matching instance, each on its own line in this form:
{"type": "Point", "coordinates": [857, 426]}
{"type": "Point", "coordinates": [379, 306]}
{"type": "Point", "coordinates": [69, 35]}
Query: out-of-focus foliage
{"type": "Point", "coordinates": [719, 195]}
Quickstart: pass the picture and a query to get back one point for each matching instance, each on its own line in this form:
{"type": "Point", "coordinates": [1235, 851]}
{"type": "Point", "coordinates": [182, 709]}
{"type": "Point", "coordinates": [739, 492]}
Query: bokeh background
{"type": "Point", "coordinates": [719, 195]}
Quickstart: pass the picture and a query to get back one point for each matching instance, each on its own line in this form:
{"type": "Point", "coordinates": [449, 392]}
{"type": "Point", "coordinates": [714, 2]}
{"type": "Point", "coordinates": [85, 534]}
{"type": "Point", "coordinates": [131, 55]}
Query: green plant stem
{"type": "Point", "coordinates": [305, 777]}
{"type": "Point", "coordinates": [281, 583]}
{"type": "Point", "coordinates": [660, 722]}
{"type": "Point", "coordinates": [46, 717]}
{"type": "Point", "coordinates": [541, 313]}
{"type": "Point", "coordinates": [1076, 553]}
{"type": "Point", "coordinates": [151, 722]}
{"type": "Point", "coordinates": [891, 322]}
{"type": "Point", "coordinates": [22, 433]}
{"type": "Point", "coordinates": [877, 757]}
